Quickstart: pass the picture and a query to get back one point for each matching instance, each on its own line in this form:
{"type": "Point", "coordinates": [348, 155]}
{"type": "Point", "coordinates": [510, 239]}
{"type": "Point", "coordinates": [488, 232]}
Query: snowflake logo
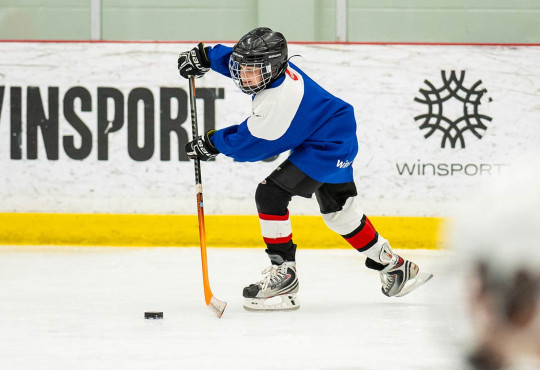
{"type": "Point", "coordinates": [466, 102]}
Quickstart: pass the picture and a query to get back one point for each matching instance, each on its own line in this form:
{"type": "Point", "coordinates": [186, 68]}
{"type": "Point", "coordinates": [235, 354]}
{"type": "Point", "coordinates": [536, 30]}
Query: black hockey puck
{"type": "Point", "coordinates": [153, 315]}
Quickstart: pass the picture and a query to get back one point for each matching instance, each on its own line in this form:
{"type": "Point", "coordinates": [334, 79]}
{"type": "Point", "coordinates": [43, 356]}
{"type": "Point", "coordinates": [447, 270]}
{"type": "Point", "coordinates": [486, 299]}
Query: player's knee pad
{"type": "Point", "coordinates": [271, 199]}
{"type": "Point", "coordinates": [345, 220]}
{"type": "Point", "coordinates": [332, 197]}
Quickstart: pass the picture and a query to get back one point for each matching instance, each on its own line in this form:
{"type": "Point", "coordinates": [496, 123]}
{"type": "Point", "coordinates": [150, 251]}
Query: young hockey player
{"type": "Point", "coordinates": [292, 112]}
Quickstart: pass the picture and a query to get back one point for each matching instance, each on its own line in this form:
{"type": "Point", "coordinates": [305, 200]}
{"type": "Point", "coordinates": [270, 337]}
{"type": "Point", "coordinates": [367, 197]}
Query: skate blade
{"type": "Point", "coordinates": [288, 302]}
{"type": "Point", "coordinates": [420, 279]}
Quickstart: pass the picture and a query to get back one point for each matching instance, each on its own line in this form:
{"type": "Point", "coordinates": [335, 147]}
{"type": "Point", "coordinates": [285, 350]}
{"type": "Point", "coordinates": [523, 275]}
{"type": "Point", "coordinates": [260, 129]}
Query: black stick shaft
{"type": "Point", "coordinates": [194, 126]}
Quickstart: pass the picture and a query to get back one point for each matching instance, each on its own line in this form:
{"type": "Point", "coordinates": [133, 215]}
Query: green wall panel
{"type": "Point", "coordinates": [444, 26]}
{"type": "Point", "coordinates": [177, 20]}
{"type": "Point", "coordinates": [503, 21]}
{"type": "Point", "coordinates": [40, 19]}
{"type": "Point", "coordinates": [498, 21]}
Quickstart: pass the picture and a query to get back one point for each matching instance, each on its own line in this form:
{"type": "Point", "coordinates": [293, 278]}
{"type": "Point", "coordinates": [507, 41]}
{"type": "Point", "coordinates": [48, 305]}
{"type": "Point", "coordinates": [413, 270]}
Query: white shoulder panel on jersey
{"type": "Point", "coordinates": [274, 109]}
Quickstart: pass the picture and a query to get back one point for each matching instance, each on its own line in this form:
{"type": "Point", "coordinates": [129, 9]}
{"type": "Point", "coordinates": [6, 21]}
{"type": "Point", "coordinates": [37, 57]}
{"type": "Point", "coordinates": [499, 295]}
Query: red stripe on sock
{"type": "Point", "coordinates": [278, 240]}
{"type": "Point", "coordinates": [363, 237]}
{"type": "Point", "coordinates": [266, 217]}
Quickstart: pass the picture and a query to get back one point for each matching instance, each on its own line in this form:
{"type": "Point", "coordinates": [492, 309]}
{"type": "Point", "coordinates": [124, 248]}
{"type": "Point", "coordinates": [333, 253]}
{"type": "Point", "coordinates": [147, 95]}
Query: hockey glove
{"type": "Point", "coordinates": [202, 147]}
{"type": "Point", "coordinates": [194, 62]}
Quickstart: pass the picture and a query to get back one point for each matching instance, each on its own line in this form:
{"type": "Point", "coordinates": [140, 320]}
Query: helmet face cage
{"type": "Point", "coordinates": [250, 76]}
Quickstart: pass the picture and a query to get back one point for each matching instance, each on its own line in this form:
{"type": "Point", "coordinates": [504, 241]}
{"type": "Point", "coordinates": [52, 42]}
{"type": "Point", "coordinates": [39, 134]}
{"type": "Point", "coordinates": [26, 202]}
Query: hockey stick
{"type": "Point", "coordinates": [212, 302]}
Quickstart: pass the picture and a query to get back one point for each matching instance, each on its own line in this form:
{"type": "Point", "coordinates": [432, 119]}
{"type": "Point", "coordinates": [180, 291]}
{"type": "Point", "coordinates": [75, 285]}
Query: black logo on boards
{"type": "Point", "coordinates": [465, 117]}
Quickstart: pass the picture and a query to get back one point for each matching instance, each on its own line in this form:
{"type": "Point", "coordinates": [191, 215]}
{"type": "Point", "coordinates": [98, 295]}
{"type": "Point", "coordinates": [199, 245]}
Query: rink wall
{"type": "Point", "coordinates": [92, 137]}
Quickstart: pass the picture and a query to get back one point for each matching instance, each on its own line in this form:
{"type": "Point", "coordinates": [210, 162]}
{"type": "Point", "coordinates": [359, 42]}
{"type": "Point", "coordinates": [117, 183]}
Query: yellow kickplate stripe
{"type": "Point", "coordinates": [183, 230]}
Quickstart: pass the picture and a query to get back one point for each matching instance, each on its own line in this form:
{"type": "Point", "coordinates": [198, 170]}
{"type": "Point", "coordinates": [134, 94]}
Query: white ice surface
{"type": "Point", "coordinates": [83, 308]}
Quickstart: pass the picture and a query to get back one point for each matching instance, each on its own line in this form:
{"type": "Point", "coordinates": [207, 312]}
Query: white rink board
{"type": "Point", "coordinates": [380, 81]}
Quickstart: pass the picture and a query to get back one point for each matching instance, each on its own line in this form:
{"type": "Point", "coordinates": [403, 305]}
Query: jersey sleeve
{"type": "Point", "coordinates": [219, 59]}
{"type": "Point", "coordinates": [237, 142]}
{"type": "Point", "coordinates": [273, 127]}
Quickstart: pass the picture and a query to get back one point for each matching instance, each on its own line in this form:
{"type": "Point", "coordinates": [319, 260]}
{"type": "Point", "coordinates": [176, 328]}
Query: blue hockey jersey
{"type": "Point", "coordinates": [293, 113]}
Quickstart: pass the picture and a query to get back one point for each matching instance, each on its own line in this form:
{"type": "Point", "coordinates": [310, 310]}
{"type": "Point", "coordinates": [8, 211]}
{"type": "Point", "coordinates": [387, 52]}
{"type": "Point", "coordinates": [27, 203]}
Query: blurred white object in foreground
{"type": "Point", "coordinates": [498, 238]}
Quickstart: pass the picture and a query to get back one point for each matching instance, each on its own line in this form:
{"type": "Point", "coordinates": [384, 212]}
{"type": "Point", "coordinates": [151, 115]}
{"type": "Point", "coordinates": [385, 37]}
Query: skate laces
{"type": "Point", "coordinates": [274, 275]}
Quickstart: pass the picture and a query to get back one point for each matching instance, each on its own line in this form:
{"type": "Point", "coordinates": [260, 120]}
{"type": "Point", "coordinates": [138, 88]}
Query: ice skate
{"type": "Point", "coordinates": [276, 292]}
{"type": "Point", "coordinates": [399, 277]}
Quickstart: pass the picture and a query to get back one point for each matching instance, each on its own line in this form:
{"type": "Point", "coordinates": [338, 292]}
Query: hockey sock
{"type": "Point", "coordinates": [272, 202]}
{"type": "Point", "coordinates": [344, 220]}
{"type": "Point", "coordinates": [366, 239]}
{"type": "Point", "coordinates": [363, 237]}
{"type": "Point", "coordinates": [277, 235]}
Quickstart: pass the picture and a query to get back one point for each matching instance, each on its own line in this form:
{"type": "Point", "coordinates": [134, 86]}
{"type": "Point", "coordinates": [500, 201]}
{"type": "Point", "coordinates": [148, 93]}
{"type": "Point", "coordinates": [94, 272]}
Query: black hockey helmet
{"type": "Point", "coordinates": [258, 58]}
